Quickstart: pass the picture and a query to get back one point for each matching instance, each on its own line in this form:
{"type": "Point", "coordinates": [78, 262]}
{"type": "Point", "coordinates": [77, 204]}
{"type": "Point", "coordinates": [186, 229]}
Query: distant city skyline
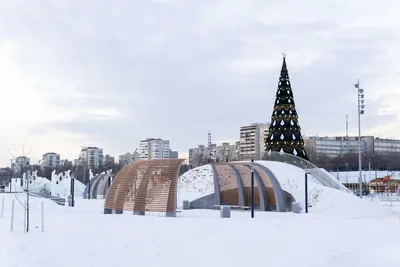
{"type": "Point", "coordinates": [80, 75]}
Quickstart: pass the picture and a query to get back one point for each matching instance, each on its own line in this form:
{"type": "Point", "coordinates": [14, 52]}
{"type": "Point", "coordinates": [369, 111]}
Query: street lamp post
{"type": "Point", "coordinates": [369, 167]}
{"type": "Point", "coordinates": [390, 180]}
{"type": "Point", "coordinates": [306, 189]}
{"type": "Point", "coordinates": [252, 188]}
{"type": "Point", "coordinates": [11, 167]}
{"type": "Point", "coordinates": [360, 112]}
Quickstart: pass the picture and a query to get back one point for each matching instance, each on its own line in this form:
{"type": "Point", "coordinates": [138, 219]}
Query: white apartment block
{"type": "Point", "coordinates": [92, 157]}
{"type": "Point", "coordinates": [128, 158]}
{"type": "Point", "coordinates": [386, 146]}
{"type": "Point", "coordinates": [252, 141]}
{"type": "Point", "coordinates": [203, 155]}
{"type": "Point", "coordinates": [154, 148]}
{"type": "Point", "coordinates": [50, 160]}
{"type": "Point", "coordinates": [340, 145]}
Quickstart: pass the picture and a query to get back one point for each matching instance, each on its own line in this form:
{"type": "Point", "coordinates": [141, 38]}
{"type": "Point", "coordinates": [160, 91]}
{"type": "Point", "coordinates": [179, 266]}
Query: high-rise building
{"type": "Point", "coordinates": [252, 141]}
{"type": "Point", "coordinates": [154, 148]}
{"type": "Point", "coordinates": [92, 157]}
{"type": "Point", "coordinates": [50, 160]}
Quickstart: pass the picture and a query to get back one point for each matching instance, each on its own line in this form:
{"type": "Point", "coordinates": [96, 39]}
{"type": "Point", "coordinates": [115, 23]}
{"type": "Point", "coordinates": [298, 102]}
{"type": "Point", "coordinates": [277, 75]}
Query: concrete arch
{"type": "Point", "coordinates": [232, 186]}
{"type": "Point", "coordinates": [262, 191]}
{"type": "Point", "coordinates": [217, 191]}
{"type": "Point", "coordinates": [229, 184]}
{"type": "Point", "coordinates": [145, 185]}
{"type": "Point", "coordinates": [278, 192]}
{"type": "Point", "coordinates": [240, 185]}
{"type": "Point", "coordinates": [100, 187]}
{"type": "Point", "coordinates": [97, 184]}
{"type": "Point", "coordinates": [86, 191]}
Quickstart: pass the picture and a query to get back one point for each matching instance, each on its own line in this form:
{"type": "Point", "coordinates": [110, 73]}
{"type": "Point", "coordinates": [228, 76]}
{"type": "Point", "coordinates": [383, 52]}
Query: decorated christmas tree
{"type": "Point", "coordinates": [284, 131]}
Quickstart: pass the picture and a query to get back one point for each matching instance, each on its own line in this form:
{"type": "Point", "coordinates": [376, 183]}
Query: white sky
{"type": "Point", "coordinates": [112, 73]}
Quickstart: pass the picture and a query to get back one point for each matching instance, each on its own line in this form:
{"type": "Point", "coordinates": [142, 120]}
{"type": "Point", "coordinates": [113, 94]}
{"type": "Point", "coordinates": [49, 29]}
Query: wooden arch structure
{"type": "Point", "coordinates": [145, 185]}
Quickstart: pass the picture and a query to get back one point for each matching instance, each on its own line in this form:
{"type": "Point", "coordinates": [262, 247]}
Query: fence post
{"type": "Point", "coordinates": [42, 209]}
{"type": "Point", "coordinates": [12, 215]}
{"type": "Point", "coordinates": [2, 208]}
{"type": "Point", "coordinates": [25, 213]}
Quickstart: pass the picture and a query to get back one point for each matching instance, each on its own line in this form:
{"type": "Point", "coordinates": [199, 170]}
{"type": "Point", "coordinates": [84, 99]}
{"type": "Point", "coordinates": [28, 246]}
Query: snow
{"type": "Point", "coordinates": [61, 185]}
{"type": "Point", "coordinates": [340, 230]}
{"type": "Point", "coordinates": [195, 184]}
{"type": "Point", "coordinates": [83, 236]}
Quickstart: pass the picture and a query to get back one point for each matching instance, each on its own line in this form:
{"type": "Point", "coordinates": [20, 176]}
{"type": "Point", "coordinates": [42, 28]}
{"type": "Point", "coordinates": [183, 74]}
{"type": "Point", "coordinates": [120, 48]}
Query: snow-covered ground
{"type": "Point", "coordinates": [83, 236]}
{"type": "Point", "coordinates": [340, 230]}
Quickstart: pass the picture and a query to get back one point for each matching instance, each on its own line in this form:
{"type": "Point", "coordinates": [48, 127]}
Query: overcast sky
{"type": "Point", "coordinates": [110, 73]}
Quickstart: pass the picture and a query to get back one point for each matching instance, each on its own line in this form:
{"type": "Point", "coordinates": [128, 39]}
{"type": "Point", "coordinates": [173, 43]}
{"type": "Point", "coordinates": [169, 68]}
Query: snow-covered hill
{"type": "Point", "coordinates": [199, 182]}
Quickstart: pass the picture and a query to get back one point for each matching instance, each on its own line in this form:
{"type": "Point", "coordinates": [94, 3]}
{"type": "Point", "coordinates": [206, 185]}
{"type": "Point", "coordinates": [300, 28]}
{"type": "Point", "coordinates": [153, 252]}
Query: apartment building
{"type": "Point", "coordinates": [337, 146]}
{"type": "Point", "coordinates": [92, 157]}
{"type": "Point", "coordinates": [202, 155]}
{"type": "Point", "coordinates": [154, 148]}
{"type": "Point", "coordinates": [50, 160]}
{"type": "Point", "coordinates": [128, 158]}
{"type": "Point", "coordinates": [252, 140]}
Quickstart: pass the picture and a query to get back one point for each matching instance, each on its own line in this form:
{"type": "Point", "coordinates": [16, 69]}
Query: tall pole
{"type": "Point", "coordinates": [11, 165]}
{"type": "Point", "coordinates": [88, 195]}
{"type": "Point", "coordinates": [27, 201]}
{"type": "Point", "coordinates": [369, 168]}
{"type": "Point", "coordinates": [306, 190]}
{"type": "Point", "coordinates": [73, 190]}
{"type": "Point", "coordinates": [359, 137]}
{"type": "Point", "coordinates": [252, 188]}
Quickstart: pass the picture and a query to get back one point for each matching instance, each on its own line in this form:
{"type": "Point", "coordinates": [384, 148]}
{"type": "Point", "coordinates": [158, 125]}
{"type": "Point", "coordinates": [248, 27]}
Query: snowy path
{"type": "Point", "coordinates": [83, 236]}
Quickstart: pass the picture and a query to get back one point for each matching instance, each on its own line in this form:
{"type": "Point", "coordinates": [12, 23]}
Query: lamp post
{"type": "Point", "coordinates": [359, 113]}
{"type": "Point", "coordinates": [11, 167]}
{"type": "Point", "coordinates": [73, 188]}
{"type": "Point", "coordinates": [390, 180]}
{"type": "Point", "coordinates": [252, 188]}
{"type": "Point", "coordinates": [369, 166]}
{"type": "Point", "coordinates": [306, 190]}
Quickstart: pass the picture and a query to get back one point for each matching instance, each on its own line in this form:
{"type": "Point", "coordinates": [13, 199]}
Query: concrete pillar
{"type": "Point", "coordinates": [170, 214]}
{"type": "Point", "coordinates": [296, 207]}
{"type": "Point", "coordinates": [186, 205]}
{"type": "Point", "coordinates": [225, 212]}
